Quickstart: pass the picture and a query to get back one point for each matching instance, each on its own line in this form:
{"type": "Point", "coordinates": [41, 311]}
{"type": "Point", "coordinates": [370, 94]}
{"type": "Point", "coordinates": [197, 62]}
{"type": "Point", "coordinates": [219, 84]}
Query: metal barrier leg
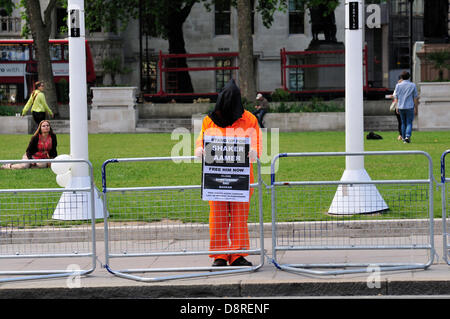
{"type": "Point", "coordinates": [445, 234]}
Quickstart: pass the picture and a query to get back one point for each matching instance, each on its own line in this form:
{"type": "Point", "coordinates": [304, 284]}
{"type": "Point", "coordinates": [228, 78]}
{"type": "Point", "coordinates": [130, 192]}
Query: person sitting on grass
{"type": "Point", "coordinates": [42, 146]}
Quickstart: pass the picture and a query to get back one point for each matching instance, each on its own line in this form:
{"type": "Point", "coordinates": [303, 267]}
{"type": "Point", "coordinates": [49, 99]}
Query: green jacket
{"type": "Point", "coordinates": [37, 103]}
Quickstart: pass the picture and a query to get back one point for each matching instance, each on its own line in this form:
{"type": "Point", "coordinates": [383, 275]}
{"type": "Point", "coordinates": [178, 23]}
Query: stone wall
{"type": "Point", "coordinates": [114, 117]}
{"type": "Point", "coordinates": [114, 110]}
{"type": "Point", "coordinates": [15, 124]}
{"type": "Point", "coordinates": [297, 122]}
{"type": "Point", "coordinates": [172, 110]}
{"type": "Point", "coordinates": [434, 106]}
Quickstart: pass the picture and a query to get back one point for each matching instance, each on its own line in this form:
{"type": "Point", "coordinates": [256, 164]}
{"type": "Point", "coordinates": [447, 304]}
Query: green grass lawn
{"type": "Point", "coordinates": [107, 146]}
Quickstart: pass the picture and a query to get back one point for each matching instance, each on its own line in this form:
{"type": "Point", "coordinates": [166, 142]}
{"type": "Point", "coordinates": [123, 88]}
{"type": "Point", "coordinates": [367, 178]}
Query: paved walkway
{"type": "Point", "coordinates": [267, 281]}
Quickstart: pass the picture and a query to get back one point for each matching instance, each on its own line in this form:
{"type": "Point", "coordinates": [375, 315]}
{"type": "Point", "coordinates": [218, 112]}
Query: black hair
{"type": "Point", "coordinates": [405, 75]}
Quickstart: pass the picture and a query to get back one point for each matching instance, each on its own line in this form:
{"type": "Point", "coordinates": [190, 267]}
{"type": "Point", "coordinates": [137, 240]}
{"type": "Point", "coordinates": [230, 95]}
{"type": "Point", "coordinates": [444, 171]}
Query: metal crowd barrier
{"type": "Point", "coordinates": [149, 224]}
{"type": "Point", "coordinates": [398, 237]}
{"type": "Point", "coordinates": [445, 201]}
{"type": "Point", "coordinates": [36, 226]}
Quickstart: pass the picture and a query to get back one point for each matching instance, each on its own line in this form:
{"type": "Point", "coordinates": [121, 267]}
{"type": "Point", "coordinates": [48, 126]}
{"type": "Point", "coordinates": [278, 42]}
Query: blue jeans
{"type": "Point", "coordinates": [407, 116]}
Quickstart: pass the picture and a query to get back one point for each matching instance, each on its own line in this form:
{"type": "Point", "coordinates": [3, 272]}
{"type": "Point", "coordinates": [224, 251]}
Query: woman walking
{"type": "Point", "coordinates": [38, 104]}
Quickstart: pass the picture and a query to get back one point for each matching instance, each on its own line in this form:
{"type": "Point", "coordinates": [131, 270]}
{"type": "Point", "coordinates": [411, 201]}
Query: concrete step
{"type": "Point", "coordinates": [380, 123]}
{"type": "Point", "coordinates": [168, 125]}
{"type": "Point", "coordinates": [161, 125]}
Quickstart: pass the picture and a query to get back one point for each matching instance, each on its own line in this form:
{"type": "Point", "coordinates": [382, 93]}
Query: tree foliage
{"type": "Point", "coordinates": [109, 13]}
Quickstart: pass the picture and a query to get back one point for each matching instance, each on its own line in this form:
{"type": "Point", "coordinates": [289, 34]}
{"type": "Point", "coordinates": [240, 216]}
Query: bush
{"type": "Point", "coordinates": [315, 105]}
{"type": "Point", "coordinates": [281, 95]}
{"type": "Point", "coordinates": [248, 105]}
{"type": "Point", "coordinates": [6, 110]}
{"type": "Point", "coordinates": [282, 108]}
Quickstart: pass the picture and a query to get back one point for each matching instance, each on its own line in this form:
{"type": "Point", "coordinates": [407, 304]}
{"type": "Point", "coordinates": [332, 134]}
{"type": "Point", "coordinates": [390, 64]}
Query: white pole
{"type": "Point", "coordinates": [358, 198]}
{"type": "Point", "coordinates": [70, 207]}
{"type": "Point", "coordinates": [77, 87]}
{"type": "Point", "coordinates": [354, 116]}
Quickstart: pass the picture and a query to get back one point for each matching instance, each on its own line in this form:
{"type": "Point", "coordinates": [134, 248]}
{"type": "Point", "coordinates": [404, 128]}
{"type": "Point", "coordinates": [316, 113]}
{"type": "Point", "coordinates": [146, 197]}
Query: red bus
{"type": "Point", "coordinates": [18, 68]}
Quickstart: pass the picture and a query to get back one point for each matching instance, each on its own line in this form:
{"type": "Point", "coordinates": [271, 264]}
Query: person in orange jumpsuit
{"type": "Point", "coordinates": [230, 119]}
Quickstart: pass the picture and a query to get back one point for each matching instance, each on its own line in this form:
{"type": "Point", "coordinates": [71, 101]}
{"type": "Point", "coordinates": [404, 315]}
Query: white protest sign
{"type": "Point", "coordinates": [226, 169]}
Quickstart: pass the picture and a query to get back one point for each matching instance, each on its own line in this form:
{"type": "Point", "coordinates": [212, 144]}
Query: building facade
{"type": "Point", "coordinates": [211, 37]}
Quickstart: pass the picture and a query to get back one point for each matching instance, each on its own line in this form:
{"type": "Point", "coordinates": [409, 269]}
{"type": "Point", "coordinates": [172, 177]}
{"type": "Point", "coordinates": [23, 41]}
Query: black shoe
{"type": "Point", "coordinates": [219, 262]}
{"type": "Point", "coordinates": [241, 261]}
{"type": "Point", "coordinates": [407, 140]}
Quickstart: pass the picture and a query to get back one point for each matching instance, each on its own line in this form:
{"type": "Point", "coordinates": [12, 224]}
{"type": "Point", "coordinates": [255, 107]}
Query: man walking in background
{"type": "Point", "coordinates": [407, 100]}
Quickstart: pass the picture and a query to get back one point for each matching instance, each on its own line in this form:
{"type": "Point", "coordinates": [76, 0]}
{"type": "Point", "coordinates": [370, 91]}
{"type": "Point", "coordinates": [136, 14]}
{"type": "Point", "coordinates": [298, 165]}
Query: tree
{"type": "Point", "coordinates": [267, 9]}
{"type": "Point", "coordinates": [165, 18]}
{"type": "Point", "coordinates": [246, 65]}
{"type": "Point", "coordinates": [40, 27]}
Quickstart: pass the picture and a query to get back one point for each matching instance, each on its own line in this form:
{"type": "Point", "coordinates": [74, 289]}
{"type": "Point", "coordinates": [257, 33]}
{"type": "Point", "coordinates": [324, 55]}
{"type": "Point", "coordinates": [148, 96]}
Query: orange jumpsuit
{"type": "Point", "coordinates": [231, 216]}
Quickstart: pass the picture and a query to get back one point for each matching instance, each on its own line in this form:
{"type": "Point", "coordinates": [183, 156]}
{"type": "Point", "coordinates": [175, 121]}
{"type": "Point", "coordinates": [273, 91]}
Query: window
{"type": "Point", "coordinates": [296, 75]}
{"type": "Point", "coordinates": [9, 24]}
{"type": "Point", "coordinates": [149, 74]}
{"type": "Point", "coordinates": [94, 27]}
{"type": "Point", "coordinates": [296, 18]}
{"type": "Point", "coordinates": [56, 52]}
{"type": "Point", "coordinates": [222, 17]}
{"type": "Point", "coordinates": [399, 24]}
{"type": "Point", "coordinates": [222, 76]}
{"type": "Point", "coordinates": [252, 5]}
{"type": "Point", "coordinates": [4, 21]}
{"type": "Point", "coordinates": [14, 52]}
{"type": "Point", "coordinates": [65, 52]}
{"type": "Point", "coordinates": [172, 85]}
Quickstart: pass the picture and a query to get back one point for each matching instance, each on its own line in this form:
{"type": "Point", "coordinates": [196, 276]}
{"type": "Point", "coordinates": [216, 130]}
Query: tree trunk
{"type": "Point", "coordinates": [246, 66]}
{"type": "Point", "coordinates": [41, 33]}
{"type": "Point", "coordinates": [177, 46]}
